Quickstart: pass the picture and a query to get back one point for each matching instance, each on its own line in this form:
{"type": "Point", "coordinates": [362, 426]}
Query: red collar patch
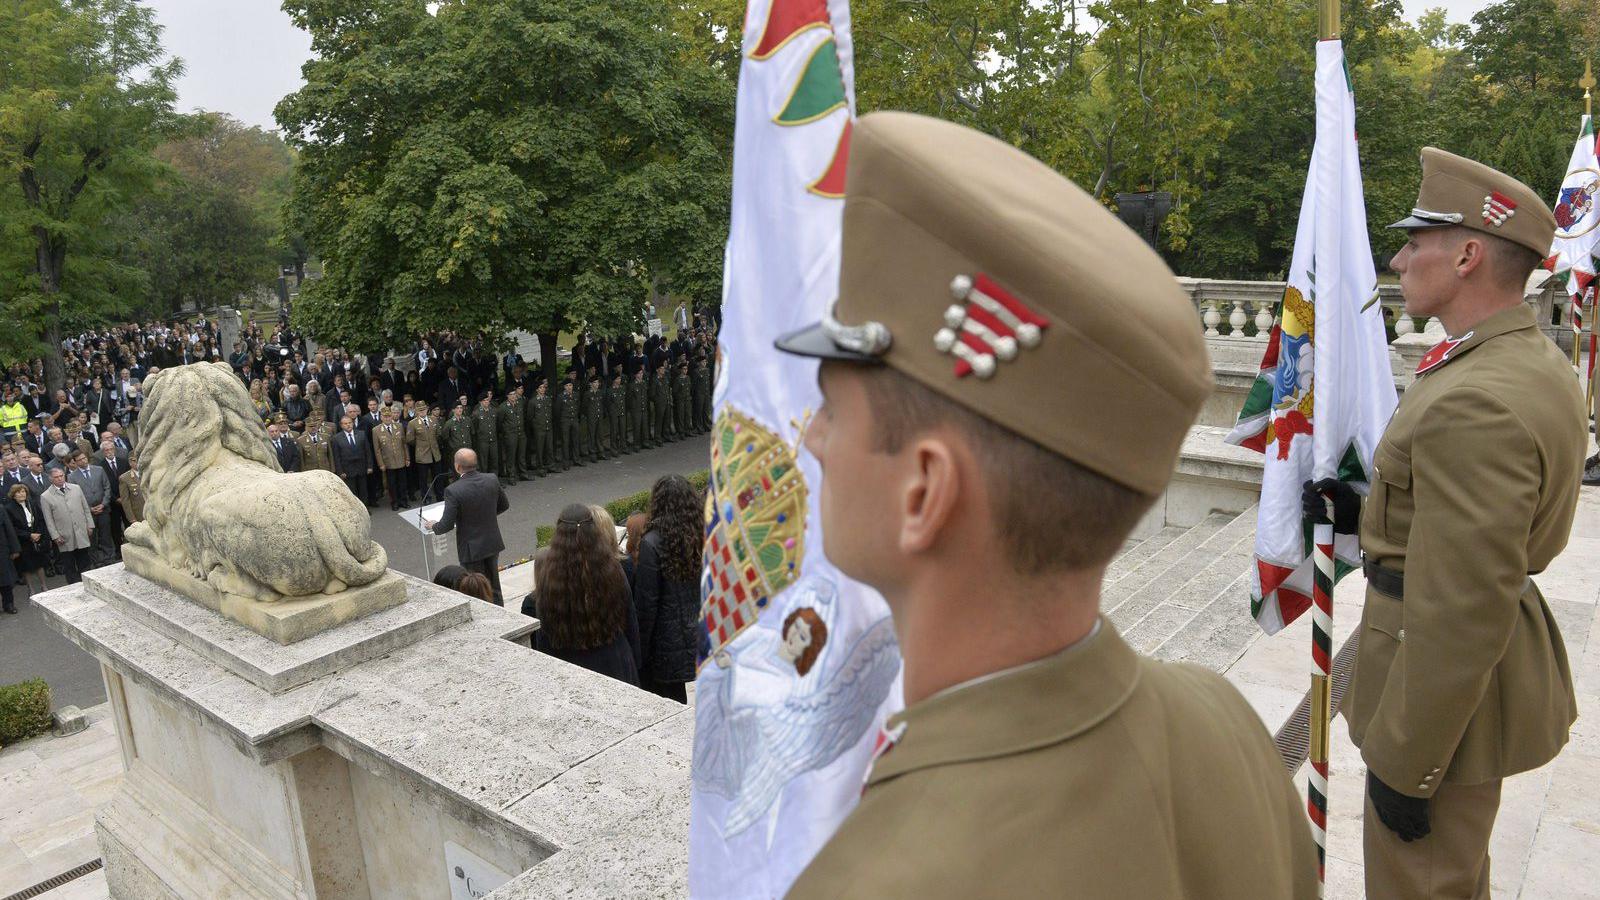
{"type": "Point", "coordinates": [887, 738]}
{"type": "Point", "coordinates": [1440, 354]}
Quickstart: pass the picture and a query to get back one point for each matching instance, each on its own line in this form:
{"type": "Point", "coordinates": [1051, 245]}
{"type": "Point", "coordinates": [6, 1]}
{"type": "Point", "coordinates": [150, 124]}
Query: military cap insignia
{"type": "Point", "coordinates": [988, 324]}
{"type": "Point", "coordinates": [1497, 208]}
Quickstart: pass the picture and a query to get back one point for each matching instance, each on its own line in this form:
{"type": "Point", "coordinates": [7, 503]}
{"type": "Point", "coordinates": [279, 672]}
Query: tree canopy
{"type": "Point", "coordinates": [503, 164]}
{"type": "Point", "coordinates": [85, 93]}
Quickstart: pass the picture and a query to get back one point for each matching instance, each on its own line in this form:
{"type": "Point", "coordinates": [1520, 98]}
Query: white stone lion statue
{"type": "Point", "coordinates": [221, 510]}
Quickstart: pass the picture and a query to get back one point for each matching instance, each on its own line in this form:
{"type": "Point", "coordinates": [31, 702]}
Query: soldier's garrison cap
{"type": "Point", "coordinates": [1464, 192]}
{"type": "Point", "coordinates": [983, 274]}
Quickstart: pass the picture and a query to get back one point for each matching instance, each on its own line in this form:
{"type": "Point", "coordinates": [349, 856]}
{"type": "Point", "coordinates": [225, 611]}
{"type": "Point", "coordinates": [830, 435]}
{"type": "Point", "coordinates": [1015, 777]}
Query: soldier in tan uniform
{"type": "Point", "coordinates": [423, 436]}
{"type": "Point", "coordinates": [389, 447]}
{"type": "Point", "coordinates": [1008, 375]}
{"type": "Point", "coordinates": [314, 450]}
{"type": "Point", "coordinates": [1462, 678]}
{"type": "Point", "coordinates": [130, 491]}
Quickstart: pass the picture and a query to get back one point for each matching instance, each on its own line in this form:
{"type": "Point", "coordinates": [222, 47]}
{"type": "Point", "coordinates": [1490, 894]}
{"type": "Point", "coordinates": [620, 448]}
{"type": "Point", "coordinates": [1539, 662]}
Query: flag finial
{"type": "Point", "coordinates": [1587, 82]}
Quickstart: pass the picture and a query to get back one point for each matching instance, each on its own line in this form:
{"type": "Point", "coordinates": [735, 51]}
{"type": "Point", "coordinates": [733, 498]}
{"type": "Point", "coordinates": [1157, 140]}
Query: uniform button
{"type": "Point", "coordinates": [1401, 636]}
{"type": "Point", "coordinates": [1427, 778]}
{"type": "Point", "coordinates": [1422, 787]}
{"type": "Point", "coordinates": [1435, 770]}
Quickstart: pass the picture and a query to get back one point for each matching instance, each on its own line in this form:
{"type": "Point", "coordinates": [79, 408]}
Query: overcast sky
{"type": "Point", "coordinates": [243, 56]}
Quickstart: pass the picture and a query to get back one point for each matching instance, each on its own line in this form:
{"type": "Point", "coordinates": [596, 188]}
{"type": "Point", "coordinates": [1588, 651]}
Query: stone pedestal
{"type": "Point", "coordinates": [400, 755]}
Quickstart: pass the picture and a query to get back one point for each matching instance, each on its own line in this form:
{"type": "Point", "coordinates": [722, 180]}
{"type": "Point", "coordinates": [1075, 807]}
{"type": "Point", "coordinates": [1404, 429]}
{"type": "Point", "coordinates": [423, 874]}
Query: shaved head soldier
{"type": "Point", "coordinates": [984, 492]}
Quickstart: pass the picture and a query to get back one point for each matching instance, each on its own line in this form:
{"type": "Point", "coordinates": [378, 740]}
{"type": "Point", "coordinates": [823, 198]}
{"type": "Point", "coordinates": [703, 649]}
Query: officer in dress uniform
{"type": "Point", "coordinates": [423, 437]}
{"type": "Point", "coordinates": [130, 491]}
{"type": "Point", "coordinates": [984, 493]}
{"type": "Point", "coordinates": [567, 427]}
{"type": "Point", "coordinates": [314, 451]}
{"type": "Point", "coordinates": [389, 449]}
{"type": "Point", "coordinates": [1462, 678]}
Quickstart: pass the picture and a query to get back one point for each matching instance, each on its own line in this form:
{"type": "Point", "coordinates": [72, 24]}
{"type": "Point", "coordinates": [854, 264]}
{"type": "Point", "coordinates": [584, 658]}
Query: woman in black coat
{"type": "Point", "coordinates": [27, 522]}
{"type": "Point", "coordinates": [666, 587]}
{"type": "Point", "coordinates": [10, 552]}
{"type": "Point", "coordinates": [582, 599]}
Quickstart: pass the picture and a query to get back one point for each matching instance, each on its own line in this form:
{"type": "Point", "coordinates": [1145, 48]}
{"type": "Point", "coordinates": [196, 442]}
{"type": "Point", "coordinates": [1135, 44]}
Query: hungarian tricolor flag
{"type": "Point", "coordinates": [1330, 335]}
{"type": "Point", "coordinates": [798, 664]}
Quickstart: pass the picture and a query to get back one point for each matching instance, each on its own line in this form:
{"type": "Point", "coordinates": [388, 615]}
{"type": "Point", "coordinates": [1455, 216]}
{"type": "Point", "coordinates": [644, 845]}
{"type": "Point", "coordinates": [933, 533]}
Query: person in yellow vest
{"type": "Point", "coordinates": [389, 447]}
{"type": "Point", "coordinates": [13, 416]}
{"type": "Point", "coordinates": [1462, 678]}
{"type": "Point", "coordinates": [973, 479]}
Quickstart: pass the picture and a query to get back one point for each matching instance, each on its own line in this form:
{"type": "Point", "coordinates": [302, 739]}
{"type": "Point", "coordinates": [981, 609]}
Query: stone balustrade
{"type": "Point", "coordinates": [1245, 310]}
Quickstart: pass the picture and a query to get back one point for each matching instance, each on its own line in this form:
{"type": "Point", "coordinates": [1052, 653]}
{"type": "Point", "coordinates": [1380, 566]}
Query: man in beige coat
{"type": "Point", "coordinates": [1008, 377]}
{"type": "Point", "coordinates": [71, 524]}
{"type": "Point", "coordinates": [1462, 678]}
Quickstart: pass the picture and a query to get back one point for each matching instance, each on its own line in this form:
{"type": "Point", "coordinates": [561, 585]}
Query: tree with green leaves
{"type": "Point", "coordinates": [213, 229]}
{"type": "Point", "coordinates": [85, 93]}
{"type": "Point", "coordinates": [503, 164]}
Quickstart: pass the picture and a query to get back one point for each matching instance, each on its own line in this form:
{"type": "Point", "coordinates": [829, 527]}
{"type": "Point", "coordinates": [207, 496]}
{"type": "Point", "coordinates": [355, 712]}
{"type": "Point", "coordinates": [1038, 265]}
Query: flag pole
{"type": "Point", "coordinates": [1321, 619]}
{"type": "Point", "coordinates": [1587, 82]}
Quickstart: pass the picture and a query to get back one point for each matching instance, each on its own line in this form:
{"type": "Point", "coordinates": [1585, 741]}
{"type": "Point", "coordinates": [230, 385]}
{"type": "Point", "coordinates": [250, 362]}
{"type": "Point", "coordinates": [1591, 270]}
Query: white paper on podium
{"type": "Point", "coordinates": [414, 517]}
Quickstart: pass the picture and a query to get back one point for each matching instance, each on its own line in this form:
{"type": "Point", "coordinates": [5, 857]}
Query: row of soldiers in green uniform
{"type": "Point", "coordinates": [518, 437]}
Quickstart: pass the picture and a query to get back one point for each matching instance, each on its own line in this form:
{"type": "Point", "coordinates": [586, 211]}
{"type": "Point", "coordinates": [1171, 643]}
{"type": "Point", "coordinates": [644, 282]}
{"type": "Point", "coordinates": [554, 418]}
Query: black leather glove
{"type": "Point", "coordinates": [1405, 816]}
{"type": "Point", "coordinates": [1346, 504]}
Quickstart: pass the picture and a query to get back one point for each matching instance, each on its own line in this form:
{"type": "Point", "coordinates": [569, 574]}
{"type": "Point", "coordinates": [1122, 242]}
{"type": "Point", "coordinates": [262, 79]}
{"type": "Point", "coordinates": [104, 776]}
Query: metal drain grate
{"type": "Point", "coordinates": [1294, 737]}
{"type": "Point", "coordinates": [58, 881]}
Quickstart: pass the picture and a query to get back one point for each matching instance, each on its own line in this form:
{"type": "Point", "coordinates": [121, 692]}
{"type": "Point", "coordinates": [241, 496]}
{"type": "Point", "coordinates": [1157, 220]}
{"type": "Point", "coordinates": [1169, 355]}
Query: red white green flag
{"type": "Point", "coordinates": [1327, 307]}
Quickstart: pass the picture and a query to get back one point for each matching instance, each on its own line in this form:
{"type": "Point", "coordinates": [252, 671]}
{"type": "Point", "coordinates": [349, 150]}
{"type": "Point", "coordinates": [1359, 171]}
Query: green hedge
{"type": "Point", "coordinates": [623, 507]}
{"type": "Point", "coordinates": [24, 710]}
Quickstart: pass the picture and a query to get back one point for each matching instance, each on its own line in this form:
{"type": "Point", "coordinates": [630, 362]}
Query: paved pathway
{"type": "Point", "coordinates": [49, 788]}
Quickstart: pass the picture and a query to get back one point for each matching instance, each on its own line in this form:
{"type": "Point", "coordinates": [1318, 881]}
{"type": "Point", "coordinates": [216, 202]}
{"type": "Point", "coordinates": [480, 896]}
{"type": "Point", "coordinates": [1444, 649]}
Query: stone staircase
{"type": "Point", "coordinates": [1182, 593]}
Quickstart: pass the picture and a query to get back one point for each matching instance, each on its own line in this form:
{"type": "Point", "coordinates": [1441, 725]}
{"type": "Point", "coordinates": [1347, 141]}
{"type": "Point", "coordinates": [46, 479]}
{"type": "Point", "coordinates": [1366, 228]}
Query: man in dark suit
{"type": "Point", "coordinates": [452, 388]}
{"type": "Point", "coordinates": [287, 451]}
{"type": "Point", "coordinates": [474, 502]}
{"type": "Point", "coordinates": [351, 461]}
{"type": "Point", "coordinates": [115, 464]}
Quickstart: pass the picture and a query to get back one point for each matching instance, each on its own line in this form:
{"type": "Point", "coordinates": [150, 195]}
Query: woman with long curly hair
{"type": "Point", "coordinates": [582, 599]}
{"type": "Point", "coordinates": [666, 587]}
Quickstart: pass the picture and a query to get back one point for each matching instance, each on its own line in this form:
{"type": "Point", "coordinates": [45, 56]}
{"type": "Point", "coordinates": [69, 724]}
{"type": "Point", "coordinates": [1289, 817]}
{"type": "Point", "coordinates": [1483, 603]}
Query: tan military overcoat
{"type": "Point", "coordinates": [389, 446]}
{"type": "Point", "coordinates": [422, 433]}
{"type": "Point", "coordinates": [1475, 484]}
{"type": "Point", "coordinates": [130, 493]}
{"type": "Point", "coordinates": [1094, 773]}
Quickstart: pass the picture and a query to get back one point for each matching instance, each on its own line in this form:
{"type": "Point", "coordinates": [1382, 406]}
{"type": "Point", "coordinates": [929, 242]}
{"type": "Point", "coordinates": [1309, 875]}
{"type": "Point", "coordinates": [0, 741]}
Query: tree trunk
{"type": "Point", "coordinates": [55, 371]}
{"type": "Point", "coordinates": [50, 257]}
{"type": "Point", "coordinates": [548, 362]}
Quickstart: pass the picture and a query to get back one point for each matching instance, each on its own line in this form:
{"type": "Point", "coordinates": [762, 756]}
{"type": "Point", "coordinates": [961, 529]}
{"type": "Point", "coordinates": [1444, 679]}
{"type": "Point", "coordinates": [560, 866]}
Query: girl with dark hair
{"type": "Point", "coordinates": [582, 600]}
{"type": "Point", "coordinates": [666, 587]}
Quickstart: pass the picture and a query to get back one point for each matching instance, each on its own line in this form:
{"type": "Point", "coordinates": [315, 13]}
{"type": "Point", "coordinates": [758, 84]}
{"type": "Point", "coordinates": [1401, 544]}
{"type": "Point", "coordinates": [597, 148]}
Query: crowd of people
{"type": "Point", "coordinates": [385, 424]}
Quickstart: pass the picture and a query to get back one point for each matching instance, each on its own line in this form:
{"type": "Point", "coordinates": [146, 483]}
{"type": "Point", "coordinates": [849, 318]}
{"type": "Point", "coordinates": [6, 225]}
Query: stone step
{"type": "Point", "coordinates": [1167, 586]}
{"type": "Point", "coordinates": [1157, 563]}
{"type": "Point", "coordinates": [1136, 552]}
{"type": "Point", "coordinates": [1207, 621]}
